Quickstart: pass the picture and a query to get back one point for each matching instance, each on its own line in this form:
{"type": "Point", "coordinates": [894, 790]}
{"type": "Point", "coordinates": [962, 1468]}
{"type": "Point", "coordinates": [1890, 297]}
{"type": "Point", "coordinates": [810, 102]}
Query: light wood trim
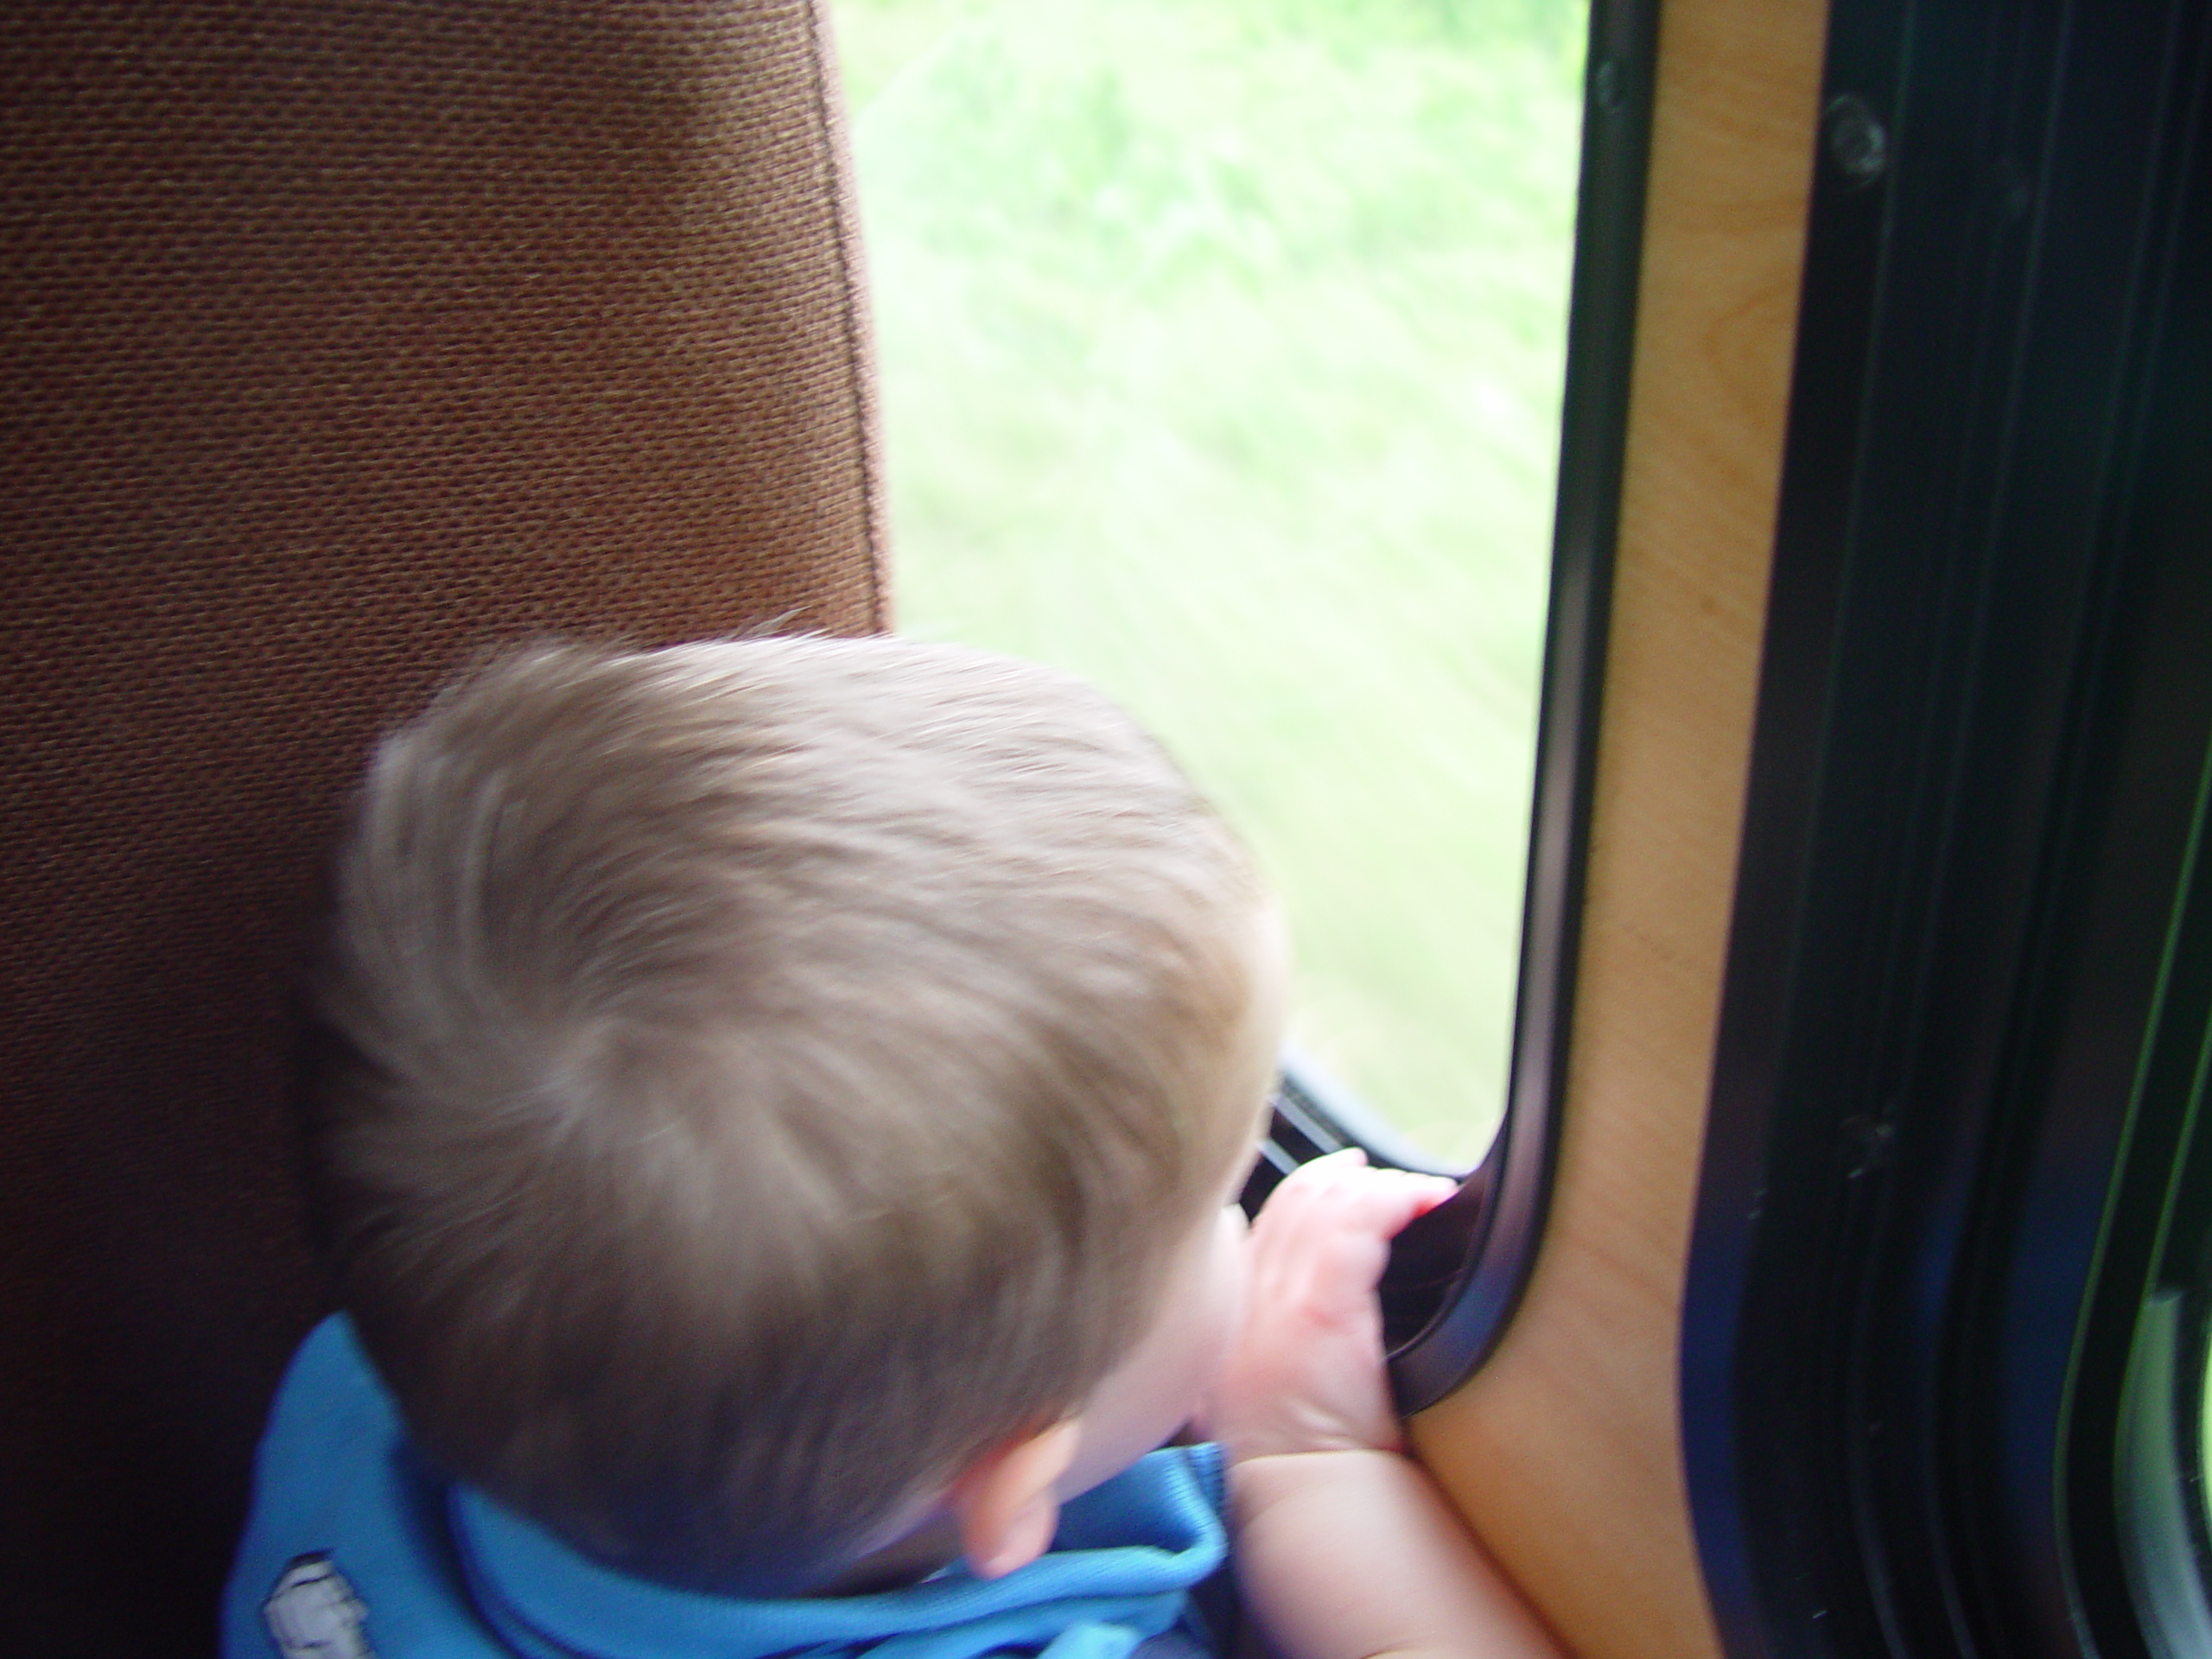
{"type": "Point", "coordinates": [1564, 1452]}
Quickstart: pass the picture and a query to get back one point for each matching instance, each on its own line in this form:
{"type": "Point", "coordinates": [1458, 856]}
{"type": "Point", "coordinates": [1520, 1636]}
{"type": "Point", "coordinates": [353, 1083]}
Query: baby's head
{"type": "Point", "coordinates": [765, 1087]}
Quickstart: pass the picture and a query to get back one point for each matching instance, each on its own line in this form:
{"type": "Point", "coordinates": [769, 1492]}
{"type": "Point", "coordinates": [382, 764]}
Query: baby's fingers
{"type": "Point", "coordinates": [1339, 1192]}
{"type": "Point", "coordinates": [1323, 1238]}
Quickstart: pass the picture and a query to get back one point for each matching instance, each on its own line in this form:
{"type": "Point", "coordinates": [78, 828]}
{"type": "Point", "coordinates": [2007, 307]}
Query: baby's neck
{"type": "Point", "coordinates": [931, 1546]}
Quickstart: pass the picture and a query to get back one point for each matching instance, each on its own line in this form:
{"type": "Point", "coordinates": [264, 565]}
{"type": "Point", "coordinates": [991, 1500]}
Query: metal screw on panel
{"type": "Point", "coordinates": [1858, 142]}
{"type": "Point", "coordinates": [1865, 1145]}
{"type": "Point", "coordinates": [1605, 83]}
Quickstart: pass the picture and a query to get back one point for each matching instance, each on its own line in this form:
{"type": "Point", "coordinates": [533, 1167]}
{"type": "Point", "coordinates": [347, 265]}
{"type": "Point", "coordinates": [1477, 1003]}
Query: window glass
{"type": "Point", "coordinates": [1221, 345]}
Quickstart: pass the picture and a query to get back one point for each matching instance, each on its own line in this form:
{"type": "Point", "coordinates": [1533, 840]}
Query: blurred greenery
{"type": "Point", "coordinates": [1221, 345]}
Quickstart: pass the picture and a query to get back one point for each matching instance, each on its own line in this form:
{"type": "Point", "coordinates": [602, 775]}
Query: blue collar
{"type": "Point", "coordinates": [1125, 1554]}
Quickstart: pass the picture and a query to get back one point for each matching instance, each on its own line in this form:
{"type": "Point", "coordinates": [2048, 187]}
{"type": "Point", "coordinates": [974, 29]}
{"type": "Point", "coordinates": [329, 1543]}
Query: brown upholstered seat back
{"type": "Point", "coordinates": [339, 341]}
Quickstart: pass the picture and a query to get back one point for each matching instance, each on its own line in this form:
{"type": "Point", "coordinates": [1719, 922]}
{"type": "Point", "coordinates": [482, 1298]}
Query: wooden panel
{"type": "Point", "coordinates": [1564, 1452]}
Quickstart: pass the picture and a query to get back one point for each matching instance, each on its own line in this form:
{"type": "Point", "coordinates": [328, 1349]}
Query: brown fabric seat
{"type": "Point", "coordinates": [341, 341]}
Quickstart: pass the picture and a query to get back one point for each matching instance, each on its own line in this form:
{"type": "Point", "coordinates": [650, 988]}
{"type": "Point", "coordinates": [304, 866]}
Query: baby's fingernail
{"type": "Point", "coordinates": [1432, 1190]}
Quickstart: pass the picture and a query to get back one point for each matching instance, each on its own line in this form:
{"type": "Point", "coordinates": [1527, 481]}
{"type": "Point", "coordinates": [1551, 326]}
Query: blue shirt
{"type": "Point", "coordinates": [355, 1546]}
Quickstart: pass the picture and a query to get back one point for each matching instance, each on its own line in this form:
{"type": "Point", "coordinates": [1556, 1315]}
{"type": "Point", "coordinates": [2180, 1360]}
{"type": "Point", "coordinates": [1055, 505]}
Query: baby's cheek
{"type": "Point", "coordinates": [1229, 1289]}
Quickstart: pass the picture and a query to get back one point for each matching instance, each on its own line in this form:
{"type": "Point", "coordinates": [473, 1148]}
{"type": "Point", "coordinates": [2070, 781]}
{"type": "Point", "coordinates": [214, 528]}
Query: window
{"type": "Point", "coordinates": [1223, 346]}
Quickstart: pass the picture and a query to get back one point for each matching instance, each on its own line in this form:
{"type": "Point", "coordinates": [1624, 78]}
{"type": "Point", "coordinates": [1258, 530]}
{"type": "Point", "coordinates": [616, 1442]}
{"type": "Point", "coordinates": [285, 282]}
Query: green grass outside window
{"type": "Point", "coordinates": [1222, 345]}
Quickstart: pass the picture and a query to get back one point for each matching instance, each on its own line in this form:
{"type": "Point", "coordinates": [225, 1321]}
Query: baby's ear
{"type": "Point", "coordinates": [1005, 1503]}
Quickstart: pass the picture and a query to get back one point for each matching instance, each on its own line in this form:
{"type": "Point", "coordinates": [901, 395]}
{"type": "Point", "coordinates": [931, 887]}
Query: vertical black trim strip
{"type": "Point", "coordinates": [1495, 1229]}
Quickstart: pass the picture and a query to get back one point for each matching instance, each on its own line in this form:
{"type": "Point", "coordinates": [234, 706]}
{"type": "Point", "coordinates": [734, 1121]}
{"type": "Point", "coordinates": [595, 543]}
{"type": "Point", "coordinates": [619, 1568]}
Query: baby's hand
{"type": "Point", "coordinates": [1306, 1372]}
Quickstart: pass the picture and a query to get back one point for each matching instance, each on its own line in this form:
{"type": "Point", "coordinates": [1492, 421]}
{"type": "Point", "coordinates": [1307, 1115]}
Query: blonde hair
{"type": "Point", "coordinates": [758, 1077]}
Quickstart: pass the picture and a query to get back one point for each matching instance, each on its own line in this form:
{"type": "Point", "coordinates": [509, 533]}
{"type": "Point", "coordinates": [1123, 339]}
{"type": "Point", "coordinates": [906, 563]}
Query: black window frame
{"type": "Point", "coordinates": [1457, 1275]}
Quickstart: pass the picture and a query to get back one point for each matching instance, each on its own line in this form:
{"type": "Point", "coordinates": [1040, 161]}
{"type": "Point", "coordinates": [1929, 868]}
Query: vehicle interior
{"type": "Point", "coordinates": [1839, 1279]}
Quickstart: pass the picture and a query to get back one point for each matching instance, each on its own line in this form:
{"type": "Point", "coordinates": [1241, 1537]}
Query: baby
{"type": "Point", "coordinates": [775, 1112]}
